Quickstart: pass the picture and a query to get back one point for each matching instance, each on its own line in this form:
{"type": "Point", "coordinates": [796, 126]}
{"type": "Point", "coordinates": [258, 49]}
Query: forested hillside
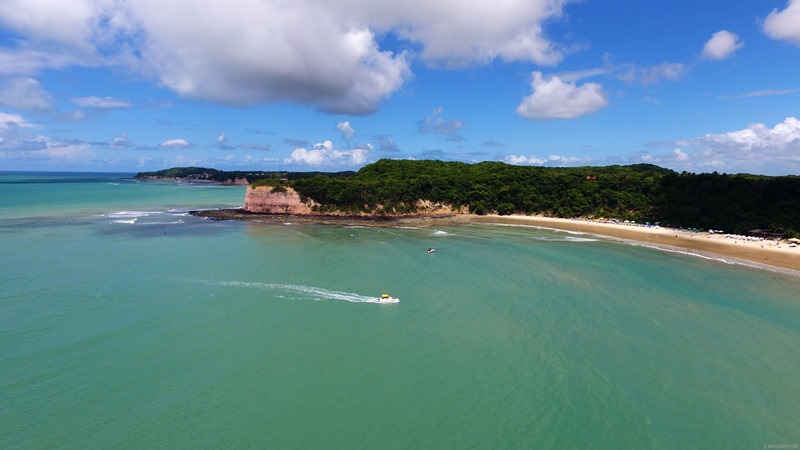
{"type": "Point", "coordinates": [735, 203]}
{"type": "Point", "coordinates": [486, 187]}
{"type": "Point", "coordinates": [642, 192]}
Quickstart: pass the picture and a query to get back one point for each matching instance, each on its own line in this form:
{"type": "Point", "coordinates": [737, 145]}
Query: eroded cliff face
{"type": "Point", "coordinates": [285, 200]}
{"type": "Point", "coordinates": [262, 199]}
{"type": "Point", "coordinates": [427, 207]}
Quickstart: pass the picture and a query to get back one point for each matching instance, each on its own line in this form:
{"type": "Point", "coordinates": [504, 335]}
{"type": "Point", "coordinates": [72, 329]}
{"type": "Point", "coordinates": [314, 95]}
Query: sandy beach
{"type": "Point", "coordinates": [763, 252]}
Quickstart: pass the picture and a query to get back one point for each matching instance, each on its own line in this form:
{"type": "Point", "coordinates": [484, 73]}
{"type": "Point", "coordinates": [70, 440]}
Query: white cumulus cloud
{"type": "Point", "coordinates": [100, 102]}
{"type": "Point", "coordinates": [651, 74]}
{"type": "Point", "coordinates": [13, 121]}
{"type": "Point", "coordinates": [758, 138]}
{"type": "Point", "coordinates": [26, 61]}
{"type": "Point", "coordinates": [323, 154]}
{"type": "Point", "coordinates": [435, 123]}
{"type": "Point", "coordinates": [120, 141]}
{"type": "Point", "coordinates": [222, 142]}
{"type": "Point", "coordinates": [18, 143]}
{"type": "Point", "coordinates": [25, 93]}
{"type": "Point", "coordinates": [455, 33]}
{"type": "Point", "coordinates": [555, 99]}
{"type": "Point", "coordinates": [521, 160]}
{"type": "Point", "coordinates": [721, 45]}
{"type": "Point", "coordinates": [176, 143]}
{"type": "Point", "coordinates": [551, 160]}
{"type": "Point", "coordinates": [324, 53]}
{"type": "Point", "coordinates": [347, 131]}
{"type": "Point", "coordinates": [785, 24]}
{"type": "Point", "coordinates": [755, 149]}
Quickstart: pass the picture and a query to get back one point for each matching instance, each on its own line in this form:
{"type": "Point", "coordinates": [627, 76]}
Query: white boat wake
{"type": "Point", "coordinates": [305, 292]}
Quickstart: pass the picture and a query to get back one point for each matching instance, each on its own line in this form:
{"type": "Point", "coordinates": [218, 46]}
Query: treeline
{"type": "Point", "coordinates": [229, 176]}
{"type": "Point", "coordinates": [393, 186]}
{"type": "Point", "coordinates": [734, 203]}
{"type": "Point", "coordinates": [204, 174]}
{"type": "Point", "coordinates": [641, 193]}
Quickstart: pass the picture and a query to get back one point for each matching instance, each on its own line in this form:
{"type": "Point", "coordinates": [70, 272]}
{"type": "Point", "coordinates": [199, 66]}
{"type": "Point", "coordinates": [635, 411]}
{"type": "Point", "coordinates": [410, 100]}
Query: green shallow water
{"type": "Point", "coordinates": [126, 323]}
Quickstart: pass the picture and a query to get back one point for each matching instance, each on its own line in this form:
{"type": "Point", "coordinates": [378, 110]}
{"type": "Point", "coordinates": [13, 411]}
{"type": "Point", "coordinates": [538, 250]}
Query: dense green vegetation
{"type": "Point", "coordinates": [735, 203]}
{"type": "Point", "coordinates": [220, 176]}
{"type": "Point", "coordinates": [202, 174]}
{"type": "Point", "coordinates": [641, 193]}
{"type": "Point", "coordinates": [490, 187]}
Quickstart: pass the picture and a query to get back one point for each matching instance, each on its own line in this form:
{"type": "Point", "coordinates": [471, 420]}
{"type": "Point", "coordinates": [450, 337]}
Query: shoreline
{"type": "Point", "coordinates": [764, 253]}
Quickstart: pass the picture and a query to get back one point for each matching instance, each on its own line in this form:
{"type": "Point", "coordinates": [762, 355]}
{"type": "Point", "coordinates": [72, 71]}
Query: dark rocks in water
{"type": "Point", "coordinates": [332, 219]}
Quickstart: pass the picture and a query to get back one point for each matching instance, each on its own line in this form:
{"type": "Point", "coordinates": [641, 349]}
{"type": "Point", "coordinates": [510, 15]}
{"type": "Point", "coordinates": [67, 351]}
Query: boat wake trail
{"type": "Point", "coordinates": [300, 292]}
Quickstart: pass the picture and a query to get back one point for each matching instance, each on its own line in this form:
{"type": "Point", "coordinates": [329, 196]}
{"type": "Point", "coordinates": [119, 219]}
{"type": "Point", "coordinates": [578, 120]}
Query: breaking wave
{"type": "Point", "coordinates": [169, 217]}
{"type": "Point", "coordinates": [565, 239]}
{"type": "Point", "coordinates": [701, 255]}
{"type": "Point", "coordinates": [130, 214]}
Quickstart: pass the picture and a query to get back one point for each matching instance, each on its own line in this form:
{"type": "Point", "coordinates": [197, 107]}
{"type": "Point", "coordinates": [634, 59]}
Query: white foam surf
{"type": "Point", "coordinates": [577, 239]}
{"type": "Point", "coordinates": [169, 217]}
{"type": "Point", "coordinates": [565, 239]}
{"type": "Point", "coordinates": [676, 250]}
{"type": "Point", "coordinates": [538, 227]}
{"type": "Point", "coordinates": [131, 214]}
{"type": "Point", "coordinates": [171, 222]}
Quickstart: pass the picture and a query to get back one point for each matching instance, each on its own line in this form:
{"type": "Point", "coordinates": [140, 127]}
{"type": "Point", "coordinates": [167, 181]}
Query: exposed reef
{"type": "Point", "coordinates": [417, 220]}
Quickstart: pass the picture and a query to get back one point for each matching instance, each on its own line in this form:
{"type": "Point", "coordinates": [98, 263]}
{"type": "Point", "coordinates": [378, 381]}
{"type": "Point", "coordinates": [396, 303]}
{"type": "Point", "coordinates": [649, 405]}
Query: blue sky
{"type": "Point", "coordinates": [132, 85]}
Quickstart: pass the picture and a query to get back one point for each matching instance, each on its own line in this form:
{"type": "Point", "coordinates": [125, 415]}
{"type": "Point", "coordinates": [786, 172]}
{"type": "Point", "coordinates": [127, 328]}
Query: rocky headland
{"type": "Point", "coordinates": [281, 204]}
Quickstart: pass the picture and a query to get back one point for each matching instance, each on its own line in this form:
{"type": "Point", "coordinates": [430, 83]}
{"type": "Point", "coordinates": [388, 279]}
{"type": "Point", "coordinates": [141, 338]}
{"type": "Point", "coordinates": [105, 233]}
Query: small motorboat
{"type": "Point", "coordinates": [386, 298]}
{"type": "Point", "coordinates": [431, 250]}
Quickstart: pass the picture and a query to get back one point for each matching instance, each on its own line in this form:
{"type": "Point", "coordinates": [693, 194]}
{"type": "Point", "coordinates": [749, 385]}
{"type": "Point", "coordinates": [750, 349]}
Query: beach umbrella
{"type": "Point", "coordinates": [795, 240]}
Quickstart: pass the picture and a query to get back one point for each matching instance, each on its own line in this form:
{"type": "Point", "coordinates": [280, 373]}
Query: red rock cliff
{"type": "Point", "coordinates": [263, 199]}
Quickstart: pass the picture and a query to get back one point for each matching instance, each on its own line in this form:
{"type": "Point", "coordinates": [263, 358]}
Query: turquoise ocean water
{"type": "Point", "coordinates": [127, 323]}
